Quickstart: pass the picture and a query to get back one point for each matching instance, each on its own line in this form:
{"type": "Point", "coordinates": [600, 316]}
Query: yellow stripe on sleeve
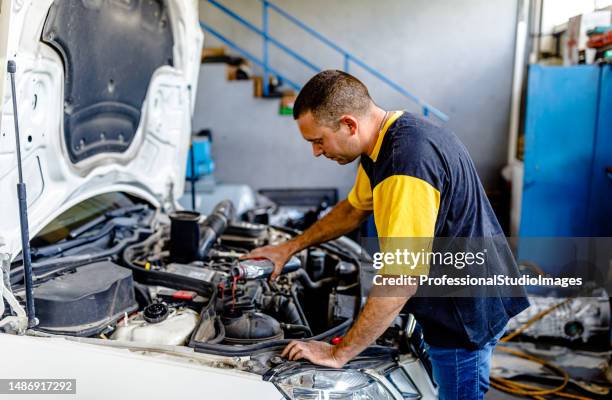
{"type": "Point", "coordinates": [405, 207]}
{"type": "Point", "coordinates": [361, 195]}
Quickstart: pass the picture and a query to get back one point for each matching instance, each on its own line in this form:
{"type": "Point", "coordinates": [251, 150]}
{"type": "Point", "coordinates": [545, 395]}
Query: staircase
{"type": "Point", "coordinates": [240, 69]}
{"type": "Point", "coordinates": [272, 83]}
{"type": "Point", "coordinates": [252, 144]}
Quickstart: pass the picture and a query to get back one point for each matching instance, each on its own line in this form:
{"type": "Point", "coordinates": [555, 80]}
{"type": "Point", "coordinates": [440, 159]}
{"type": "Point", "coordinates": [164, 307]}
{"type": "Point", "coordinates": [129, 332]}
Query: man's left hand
{"type": "Point", "coordinates": [320, 353]}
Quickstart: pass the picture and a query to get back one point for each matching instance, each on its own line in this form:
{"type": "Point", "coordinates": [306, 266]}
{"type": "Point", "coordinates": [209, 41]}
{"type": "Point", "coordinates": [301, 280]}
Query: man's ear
{"type": "Point", "coordinates": [351, 122]}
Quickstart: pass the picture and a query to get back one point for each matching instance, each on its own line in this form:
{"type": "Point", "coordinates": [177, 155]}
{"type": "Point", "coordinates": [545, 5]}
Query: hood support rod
{"type": "Point", "coordinates": [23, 210]}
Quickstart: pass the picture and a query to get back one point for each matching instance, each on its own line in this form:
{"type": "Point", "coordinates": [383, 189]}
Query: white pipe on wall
{"type": "Point", "coordinates": [522, 27]}
{"type": "Point", "coordinates": [514, 167]}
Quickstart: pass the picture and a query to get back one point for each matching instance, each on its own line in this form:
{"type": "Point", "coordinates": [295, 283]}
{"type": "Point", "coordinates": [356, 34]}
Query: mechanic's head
{"type": "Point", "coordinates": [333, 110]}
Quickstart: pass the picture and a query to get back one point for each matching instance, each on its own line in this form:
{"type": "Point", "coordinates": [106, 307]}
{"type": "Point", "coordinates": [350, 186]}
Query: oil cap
{"type": "Point", "coordinates": [154, 313]}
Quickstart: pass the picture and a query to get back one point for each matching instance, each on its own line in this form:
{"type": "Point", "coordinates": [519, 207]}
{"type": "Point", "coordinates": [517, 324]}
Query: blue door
{"type": "Point", "coordinates": [560, 131]}
{"type": "Point", "coordinates": [567, 188]}
{"type": "Point", "coordinates": [600, 202]}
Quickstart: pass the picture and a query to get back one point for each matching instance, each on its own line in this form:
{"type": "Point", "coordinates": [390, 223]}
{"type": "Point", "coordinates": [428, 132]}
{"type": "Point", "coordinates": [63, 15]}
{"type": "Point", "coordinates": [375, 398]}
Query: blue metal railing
{"type": "Point", "coordinates": [264, 63]}
{"type": "Point", "coordinates": [249, 55]}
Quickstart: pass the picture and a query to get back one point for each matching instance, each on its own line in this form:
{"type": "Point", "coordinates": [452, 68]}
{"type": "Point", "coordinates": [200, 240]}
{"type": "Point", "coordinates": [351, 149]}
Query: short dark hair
{"type": "Point", "coordinates": [330, 94]}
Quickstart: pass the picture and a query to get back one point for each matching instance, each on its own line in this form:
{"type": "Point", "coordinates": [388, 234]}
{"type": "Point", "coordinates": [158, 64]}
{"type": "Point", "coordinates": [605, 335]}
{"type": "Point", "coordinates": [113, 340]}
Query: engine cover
{"type": "Point", "coordinates": [85, 302]}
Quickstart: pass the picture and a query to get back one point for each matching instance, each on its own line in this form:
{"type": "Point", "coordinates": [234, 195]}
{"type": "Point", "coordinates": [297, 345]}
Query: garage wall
{"type": "Point", "coordinates": [457, 55]}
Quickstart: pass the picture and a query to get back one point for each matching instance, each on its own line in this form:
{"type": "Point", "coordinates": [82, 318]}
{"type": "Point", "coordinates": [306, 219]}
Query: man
{"type": "Point", "coordinates": [419, 182]}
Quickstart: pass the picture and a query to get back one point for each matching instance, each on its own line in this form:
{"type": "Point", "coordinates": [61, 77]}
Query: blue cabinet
{"type": "Point", "coordinates": [600, 202]}
{"type": "Point", "coordinates": [567, 188]}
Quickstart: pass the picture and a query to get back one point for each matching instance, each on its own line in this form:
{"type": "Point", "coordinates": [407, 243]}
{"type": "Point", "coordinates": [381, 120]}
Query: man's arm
{"type": "Point", "coordinates": [378, 313]}
{"type": "Point", "coordinates": [342, 219]}
{"type": "Point", "coordinates": [407, 208]}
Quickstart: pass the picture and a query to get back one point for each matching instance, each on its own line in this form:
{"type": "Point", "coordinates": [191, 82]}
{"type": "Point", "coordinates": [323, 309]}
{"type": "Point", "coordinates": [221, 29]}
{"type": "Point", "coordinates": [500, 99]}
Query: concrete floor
{"type": "Point", "coordinates": [494, 394]}
{"type": "Point", "coordinates": [581, 365]}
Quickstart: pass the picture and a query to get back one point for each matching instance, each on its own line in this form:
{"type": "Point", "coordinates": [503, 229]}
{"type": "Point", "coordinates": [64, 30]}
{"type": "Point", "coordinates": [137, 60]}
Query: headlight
{"type": "Point", "coordinates": [332, 384]}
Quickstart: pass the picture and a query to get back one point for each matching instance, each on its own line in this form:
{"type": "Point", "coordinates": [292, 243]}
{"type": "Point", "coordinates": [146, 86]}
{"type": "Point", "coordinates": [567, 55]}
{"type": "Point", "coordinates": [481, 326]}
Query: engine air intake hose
{"type": "Point", "coordinates": [214, 225]}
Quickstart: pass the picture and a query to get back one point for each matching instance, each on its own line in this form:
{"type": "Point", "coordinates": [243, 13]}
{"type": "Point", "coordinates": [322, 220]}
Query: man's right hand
{"type": "Point", "coordinates": [279, 254]}
{"type": "Point", "coordinates": [342, 219]}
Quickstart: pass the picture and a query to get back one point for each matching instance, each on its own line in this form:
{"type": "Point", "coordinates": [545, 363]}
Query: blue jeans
{"type": "Point", "coordinates": [462, 374]}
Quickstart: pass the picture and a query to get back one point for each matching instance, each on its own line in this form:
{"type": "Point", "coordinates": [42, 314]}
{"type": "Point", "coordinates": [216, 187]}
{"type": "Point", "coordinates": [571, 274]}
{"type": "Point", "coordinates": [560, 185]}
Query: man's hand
{"type": "Point", "coordinates": [342, 219]}
{"type": "Point", "coordinates": [376, 316]}
{"type": "Point", "coordinates": [278, 254]}
{"type": "Point", "coordinates": [320, 353]}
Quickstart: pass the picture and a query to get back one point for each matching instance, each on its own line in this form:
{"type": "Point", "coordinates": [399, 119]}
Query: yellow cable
{"type": "Point", "coordinates": [539, 391]}
{"type": "Point", "coordinates": [533, 391]}
{"type": "Point", "coordinates": [534, 319]}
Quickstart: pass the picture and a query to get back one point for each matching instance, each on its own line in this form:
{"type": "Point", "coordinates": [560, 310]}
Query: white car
{"type": "Point", "coordinates": [134, 297]}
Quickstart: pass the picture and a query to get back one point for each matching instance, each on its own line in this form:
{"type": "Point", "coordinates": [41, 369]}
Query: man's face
{"type": "Point", "coordinates": [341, 146]}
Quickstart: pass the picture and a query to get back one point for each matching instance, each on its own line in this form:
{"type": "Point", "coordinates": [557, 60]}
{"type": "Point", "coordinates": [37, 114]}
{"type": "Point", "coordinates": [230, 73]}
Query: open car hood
{"type": "Point", "coordinates": [105, 92]}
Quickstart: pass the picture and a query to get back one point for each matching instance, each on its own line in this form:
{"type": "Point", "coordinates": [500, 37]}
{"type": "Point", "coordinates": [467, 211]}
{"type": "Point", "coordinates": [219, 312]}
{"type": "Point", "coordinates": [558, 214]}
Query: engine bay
{"type": "Point", "coordinates": [137, 274]}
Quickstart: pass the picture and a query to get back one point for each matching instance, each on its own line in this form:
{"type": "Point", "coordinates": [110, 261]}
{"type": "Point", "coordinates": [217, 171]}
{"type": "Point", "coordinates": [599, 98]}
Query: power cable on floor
{"type": "Point", "coordinates": [533, 391]}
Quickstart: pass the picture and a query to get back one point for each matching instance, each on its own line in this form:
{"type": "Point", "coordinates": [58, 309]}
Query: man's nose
{"type": "Point", "coordinates": [317, 150]}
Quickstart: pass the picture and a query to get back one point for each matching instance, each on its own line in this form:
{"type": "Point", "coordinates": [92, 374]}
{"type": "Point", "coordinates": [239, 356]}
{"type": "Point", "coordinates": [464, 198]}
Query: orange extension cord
{"type": "Point", "coordinates": [533, 391]}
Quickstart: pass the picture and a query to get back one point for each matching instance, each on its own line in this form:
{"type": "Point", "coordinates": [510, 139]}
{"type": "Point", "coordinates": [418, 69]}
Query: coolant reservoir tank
{"type": "Point", "coordinates": [157, 324]}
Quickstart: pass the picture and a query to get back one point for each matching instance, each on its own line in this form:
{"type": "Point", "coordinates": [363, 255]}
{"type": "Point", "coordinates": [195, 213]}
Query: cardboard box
{"type": "Point", "coordinates": [212, 52]}
{"type": "Point", "coordinates": [231, 72]}
{"type": "Point", "coordinates": [288, 99]}
{"type": "Point", "coordinates": [258, 86]}
{"type": "Point", "coordinates": [286, 103]}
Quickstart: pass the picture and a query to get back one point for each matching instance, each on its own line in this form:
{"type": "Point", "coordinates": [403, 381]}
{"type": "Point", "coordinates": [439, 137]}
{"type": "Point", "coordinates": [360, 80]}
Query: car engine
{"type": "Point", "coordinates": [141, 275]}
